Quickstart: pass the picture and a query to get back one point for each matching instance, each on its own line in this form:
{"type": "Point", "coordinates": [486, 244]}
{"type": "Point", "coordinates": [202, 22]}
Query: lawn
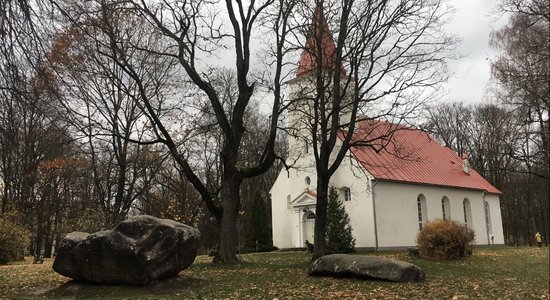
{"type": "Point", "coordinates": [491, 273]}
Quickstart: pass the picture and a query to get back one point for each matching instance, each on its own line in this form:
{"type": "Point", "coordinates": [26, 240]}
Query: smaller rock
{"type": "Point", "coordinates": [366, 267]}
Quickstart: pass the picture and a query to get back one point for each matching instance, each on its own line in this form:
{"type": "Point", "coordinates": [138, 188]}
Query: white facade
{"type": "Point", "coordinates": [382, 214]}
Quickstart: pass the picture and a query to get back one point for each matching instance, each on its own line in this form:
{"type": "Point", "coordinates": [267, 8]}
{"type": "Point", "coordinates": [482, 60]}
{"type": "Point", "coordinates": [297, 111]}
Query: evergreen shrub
{"type": "Point", "coordinates": [445, 240]}
{"type": "Point", "coordinates": [13, 241]}
{"type": "Point", "coordinates": [339, 238]}
{"type": "Point", "coordinates": [257, 235]}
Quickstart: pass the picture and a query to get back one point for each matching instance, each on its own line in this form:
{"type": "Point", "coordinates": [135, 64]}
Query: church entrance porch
{"type": "Point", "coordinates": [303, 208]}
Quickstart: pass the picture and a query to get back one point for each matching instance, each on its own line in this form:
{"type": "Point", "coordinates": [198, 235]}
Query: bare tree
{"type": "Point", "coordinates": [522, 71]}
{"type": "Point", "coordinates": [192, 30]}
{"type": "Point", "coordinates": [102, 106]}
{"type": "Point", "coordinates": [486, 133]}
{"type": "Point", "coordinates": [451, 124]}
{"type": "Point", "coordinates": [386, 58]}
{"type": "Point", "coordinates": [31, 136]}
{"type": "Point", "coordinates": [18, 56]}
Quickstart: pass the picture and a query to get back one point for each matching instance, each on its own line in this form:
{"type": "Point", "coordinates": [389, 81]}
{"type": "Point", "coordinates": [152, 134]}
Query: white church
{"type": "Point", "coordinates": [388, 197]}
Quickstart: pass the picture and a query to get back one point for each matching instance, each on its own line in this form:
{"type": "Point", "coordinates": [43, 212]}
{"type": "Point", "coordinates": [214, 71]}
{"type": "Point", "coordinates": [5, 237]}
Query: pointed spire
{"type": "Point", "coordinates": [319, 31]}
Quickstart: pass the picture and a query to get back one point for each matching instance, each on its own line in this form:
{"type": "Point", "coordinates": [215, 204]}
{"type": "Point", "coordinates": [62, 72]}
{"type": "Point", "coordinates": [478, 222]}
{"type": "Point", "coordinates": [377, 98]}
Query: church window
{"type": "Point", "coordinates": [346, 192]}
{"type": "Point", "coordinates": [421, 208]}
{"type": "Point", "coordinates": [446, 208]}
{"type": "Point", "coordinates": [467, 212]}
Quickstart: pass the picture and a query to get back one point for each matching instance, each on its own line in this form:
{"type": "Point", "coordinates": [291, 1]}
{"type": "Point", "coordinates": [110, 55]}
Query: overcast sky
{"type": "Point", "coordinates": [474, 20]}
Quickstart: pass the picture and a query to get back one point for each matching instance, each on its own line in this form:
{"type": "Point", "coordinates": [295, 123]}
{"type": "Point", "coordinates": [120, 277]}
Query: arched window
{"type": "Point", "coordinates": [422, 214]}
{"type": "Point", "coordinates": [446, 208]}
{"type": "Point", "coordinates": [467, 212]}
{"type": "Point", "coordinates": [346, 193]}
{"type": "Point", "coordinates": [488, 218]}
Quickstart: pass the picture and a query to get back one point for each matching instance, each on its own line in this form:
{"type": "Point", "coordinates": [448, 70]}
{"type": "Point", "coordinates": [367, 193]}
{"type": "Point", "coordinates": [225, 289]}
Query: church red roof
{"type": "Point", "coordinates": [319, 31]}
{"type": "Point", "coordinates": [404, 154]}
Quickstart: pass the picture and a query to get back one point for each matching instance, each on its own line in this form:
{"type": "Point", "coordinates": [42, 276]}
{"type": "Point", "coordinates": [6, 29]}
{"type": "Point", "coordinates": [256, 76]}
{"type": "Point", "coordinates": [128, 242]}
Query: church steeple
{"type": "Point", "coordinates": [318, 55]}
{"type": "Point", "coordinates": [319, 33]}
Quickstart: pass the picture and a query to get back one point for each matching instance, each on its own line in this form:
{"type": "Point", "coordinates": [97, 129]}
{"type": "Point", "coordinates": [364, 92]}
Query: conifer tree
{"type": "Point", "coordinates": [257, 226]}
{"type": "Point", "coordinates": [338, 234]}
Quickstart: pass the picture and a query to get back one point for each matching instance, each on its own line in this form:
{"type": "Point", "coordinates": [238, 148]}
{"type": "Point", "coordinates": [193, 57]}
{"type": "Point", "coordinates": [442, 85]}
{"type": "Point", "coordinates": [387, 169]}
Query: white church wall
{"type": "Point", "coordinates": [396, 214]}
{"type": "Point", "coordinates": [478, 218]}
{"type": "Point", "coordinates": [359, 208]}
{"type": "Point", "coordinates": [397, 211]}
{"type": "Point", "coordinates": [281, 220]}
{"type": "Point", "coordinates": [496, 218]}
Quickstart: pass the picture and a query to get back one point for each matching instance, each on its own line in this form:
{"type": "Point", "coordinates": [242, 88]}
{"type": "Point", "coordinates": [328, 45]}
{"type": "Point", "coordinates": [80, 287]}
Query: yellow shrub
{"type": "Point", "coordinates": [445, 239]}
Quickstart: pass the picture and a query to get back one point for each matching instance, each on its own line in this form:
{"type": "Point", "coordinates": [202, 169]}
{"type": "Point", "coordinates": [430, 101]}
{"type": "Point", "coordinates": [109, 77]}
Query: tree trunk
{"type": "Point", "coordinates": [47, 235]}
{"type": "Point", "coordinates": [321, 216]}
{"type": "Point", "coordinates": [48, 244]}
{"type": "Point", "coordinates": [58, 237]}
{"type": "Point", "coordinates": [228, 239]}
{"type": "Point", "coordinates": [5, 195]}
{"type": "Point", "coordinates": [38, 244]}
{"type": "Point", "coordinates": [515, 229]}
{"type": "Point", "coordinates": [40, 230]}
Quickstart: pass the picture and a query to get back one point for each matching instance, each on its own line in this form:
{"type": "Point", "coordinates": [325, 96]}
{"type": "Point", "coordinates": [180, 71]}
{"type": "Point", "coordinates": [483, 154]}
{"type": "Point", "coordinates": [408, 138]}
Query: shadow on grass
{"type": "Point", "coordinates": [179, 285]}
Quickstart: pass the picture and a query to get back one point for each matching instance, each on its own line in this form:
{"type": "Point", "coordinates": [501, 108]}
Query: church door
{"type": "Point", "coordinates": [309, 226]}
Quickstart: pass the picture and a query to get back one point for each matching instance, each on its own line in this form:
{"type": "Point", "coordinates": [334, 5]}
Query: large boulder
{"type": "Point", "coordinates": [366, 267]}
{"type": "Point", "coordinates": [136, 252]}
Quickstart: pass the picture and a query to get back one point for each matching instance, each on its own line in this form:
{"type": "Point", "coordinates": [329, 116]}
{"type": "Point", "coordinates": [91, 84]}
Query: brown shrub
{"type": "Point", "coordinates": [445, 239]}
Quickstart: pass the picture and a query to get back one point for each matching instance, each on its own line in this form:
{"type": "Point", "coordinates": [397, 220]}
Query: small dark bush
{"type": "Point", "coordinates": [13, 240]}
{"type": "Point", "coordinates": [445, 239]}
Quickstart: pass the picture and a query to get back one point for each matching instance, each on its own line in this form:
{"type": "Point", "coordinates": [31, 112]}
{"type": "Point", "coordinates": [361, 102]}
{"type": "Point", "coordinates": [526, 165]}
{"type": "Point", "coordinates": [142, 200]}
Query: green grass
{"type": "Point", "coordinates": [491, 273]}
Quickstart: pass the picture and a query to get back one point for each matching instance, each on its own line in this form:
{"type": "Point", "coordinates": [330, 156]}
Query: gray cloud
{"type": "Point", "coordinates": [473, 22]}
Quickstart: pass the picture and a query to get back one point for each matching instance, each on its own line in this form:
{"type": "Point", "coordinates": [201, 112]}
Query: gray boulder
{"type": "Point", "coordinates": [136, 252]}
{"type": "Point", "coordinates": [366, 267]}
